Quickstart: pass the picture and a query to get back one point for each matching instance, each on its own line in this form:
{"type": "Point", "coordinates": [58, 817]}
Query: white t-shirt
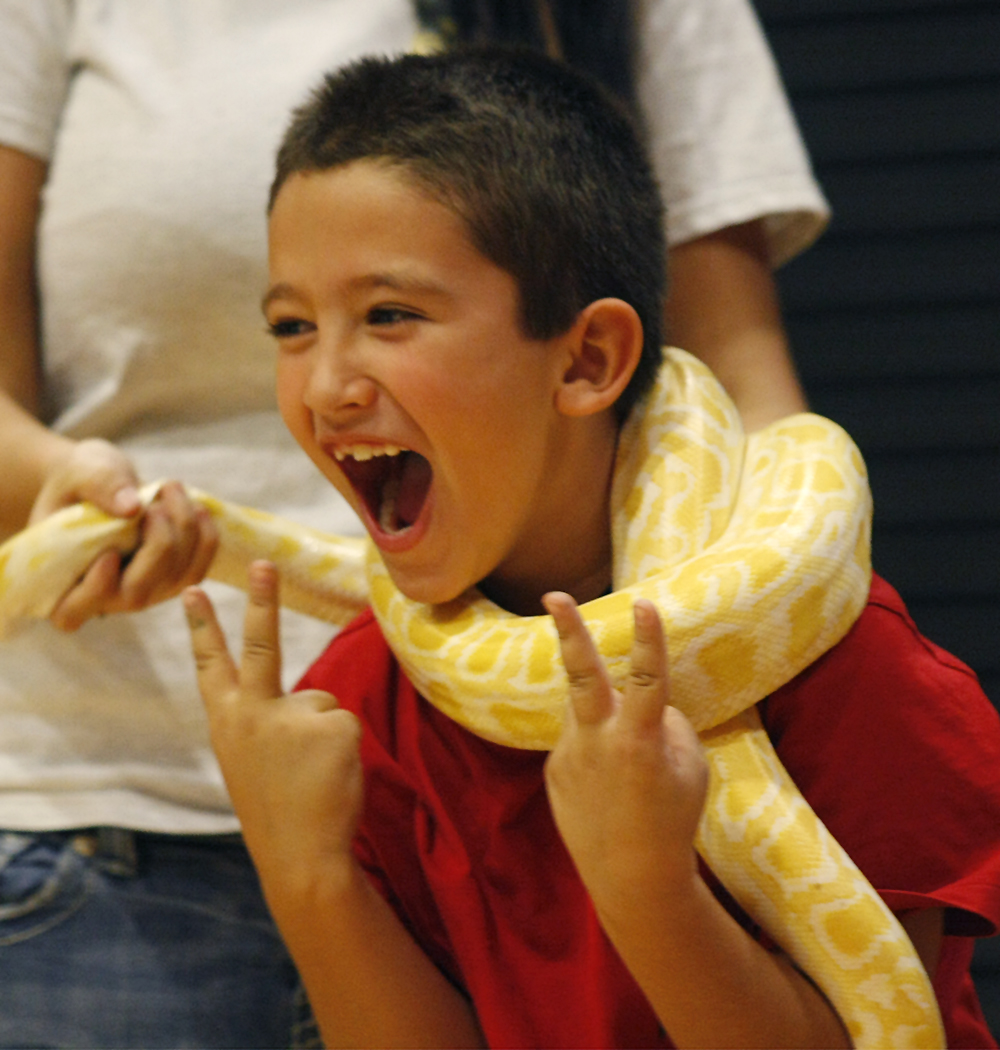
{"type": "Point", "coordinates": [721, 134]}
{"type": "Point", "coordinates": [160, 119]}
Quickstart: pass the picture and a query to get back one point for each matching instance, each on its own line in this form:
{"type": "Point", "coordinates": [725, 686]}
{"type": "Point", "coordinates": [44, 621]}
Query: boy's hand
{"type": "Point", "coordinates": [291, 762]}
{"type": "Point", "coordinates": [178, 537]}
{"type": "Point", "coordinates": [627, 779]}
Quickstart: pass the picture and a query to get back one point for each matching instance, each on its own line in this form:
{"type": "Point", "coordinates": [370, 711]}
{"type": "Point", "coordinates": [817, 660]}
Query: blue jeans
{"type": "Point", "coordinates": [114, 939]}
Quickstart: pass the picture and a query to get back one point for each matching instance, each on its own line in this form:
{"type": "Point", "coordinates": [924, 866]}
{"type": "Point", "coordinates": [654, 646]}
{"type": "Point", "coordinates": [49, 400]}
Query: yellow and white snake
{"type": "Point", "coordinates": [756, 552]}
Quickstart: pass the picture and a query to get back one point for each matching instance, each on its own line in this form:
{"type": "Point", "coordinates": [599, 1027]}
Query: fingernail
{"type": "Point", "coordinates": [189, 603]}
{"type": "Point", "coordinates": [126, 500]}
{"type": "Point", "coordinates": [554, 599]}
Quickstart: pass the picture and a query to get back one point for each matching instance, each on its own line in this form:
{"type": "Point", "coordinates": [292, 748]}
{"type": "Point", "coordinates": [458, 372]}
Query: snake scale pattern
{"type": "Point", "coordinates": [756, 552]}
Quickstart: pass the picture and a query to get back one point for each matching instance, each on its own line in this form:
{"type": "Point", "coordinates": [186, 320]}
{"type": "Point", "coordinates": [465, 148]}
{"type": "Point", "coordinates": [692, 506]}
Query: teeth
{"type": "Point", "coordinates": [364, 452]}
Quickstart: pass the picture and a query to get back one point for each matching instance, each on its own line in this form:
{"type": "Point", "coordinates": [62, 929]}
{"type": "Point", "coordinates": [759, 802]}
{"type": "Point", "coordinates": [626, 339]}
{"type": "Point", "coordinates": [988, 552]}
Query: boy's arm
{"type": "Point", "coordinates": [627, 784]}
{"type": "Point", "coordinates": [369, 983]}
{"type": "Point", "coordinates": [293, 770]}
{"type": "Point", "coordinates": [723, 306]}
{"type": "Point", "coordinates": [710, 983]}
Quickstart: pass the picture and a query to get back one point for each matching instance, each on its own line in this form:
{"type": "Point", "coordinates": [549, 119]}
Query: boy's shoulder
{"type": "Point", "coordinates": [895, 745]}
{"type": "Point", "coordinates": [888, 607]}
{"type": "Point", "coordinates": [883, 673]}
{"type": "Point", "coordinates": [885, 646]}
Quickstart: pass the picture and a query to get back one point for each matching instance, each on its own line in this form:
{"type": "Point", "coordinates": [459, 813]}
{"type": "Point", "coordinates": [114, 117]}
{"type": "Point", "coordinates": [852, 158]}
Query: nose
{"type": "Point", "coordinates": [337, 384]}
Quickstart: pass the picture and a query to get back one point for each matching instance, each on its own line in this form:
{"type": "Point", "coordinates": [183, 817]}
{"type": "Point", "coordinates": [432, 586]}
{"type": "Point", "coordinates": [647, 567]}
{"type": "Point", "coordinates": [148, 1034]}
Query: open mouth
{"type": "Point", "coordinates": [393, 483]}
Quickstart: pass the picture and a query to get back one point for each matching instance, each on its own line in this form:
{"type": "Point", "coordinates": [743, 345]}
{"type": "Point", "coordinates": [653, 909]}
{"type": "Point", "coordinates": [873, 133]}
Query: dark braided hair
{"type": "Point", "coordinates": [595, 36]}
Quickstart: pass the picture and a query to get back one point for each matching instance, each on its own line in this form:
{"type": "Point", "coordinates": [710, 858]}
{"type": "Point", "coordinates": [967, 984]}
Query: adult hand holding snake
{"type": "Point", "coordinates": [177, 537]}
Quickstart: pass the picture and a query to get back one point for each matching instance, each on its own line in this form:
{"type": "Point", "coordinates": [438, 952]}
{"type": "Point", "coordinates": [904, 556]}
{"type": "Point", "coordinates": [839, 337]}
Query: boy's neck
{"type": "Point", "coordinates": [571, 548]}
{"type": "Point", "coordinates": [515, 600]}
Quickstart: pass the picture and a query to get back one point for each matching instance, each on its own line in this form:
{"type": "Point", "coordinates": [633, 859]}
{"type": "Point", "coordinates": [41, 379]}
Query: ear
{"type": "Point", "coordinates": [604, 345]}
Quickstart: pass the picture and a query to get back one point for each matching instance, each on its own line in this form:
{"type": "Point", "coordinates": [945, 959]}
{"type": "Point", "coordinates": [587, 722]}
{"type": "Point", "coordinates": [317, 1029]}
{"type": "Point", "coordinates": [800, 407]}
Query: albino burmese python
{"type": "Point", "coordinates": [756, 552]}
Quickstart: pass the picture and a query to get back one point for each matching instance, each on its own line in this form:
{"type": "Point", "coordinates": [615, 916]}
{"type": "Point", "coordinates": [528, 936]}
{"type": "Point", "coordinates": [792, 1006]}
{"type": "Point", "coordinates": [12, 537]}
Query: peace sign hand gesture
{"type": "Point", "coordinates": [627, 779]}
{"type": "Point", "coordinates": [290, 761]}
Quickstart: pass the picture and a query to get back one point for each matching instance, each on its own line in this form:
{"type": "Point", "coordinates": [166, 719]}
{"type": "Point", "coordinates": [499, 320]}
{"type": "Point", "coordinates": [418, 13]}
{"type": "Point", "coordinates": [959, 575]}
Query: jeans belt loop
{"type": "Point", "coordinates": [116, 852]}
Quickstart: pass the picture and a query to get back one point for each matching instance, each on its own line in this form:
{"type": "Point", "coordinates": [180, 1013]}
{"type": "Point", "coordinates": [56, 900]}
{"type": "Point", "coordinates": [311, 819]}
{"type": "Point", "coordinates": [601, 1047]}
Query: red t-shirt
{"type": "Point", "coordinates": [889, 738]}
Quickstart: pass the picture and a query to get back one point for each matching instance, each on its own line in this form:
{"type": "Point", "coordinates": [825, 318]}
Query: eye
{"type": "Point", "coordinates": [289, 328]}
{"type": "Point", "coordinates": [390, 315]}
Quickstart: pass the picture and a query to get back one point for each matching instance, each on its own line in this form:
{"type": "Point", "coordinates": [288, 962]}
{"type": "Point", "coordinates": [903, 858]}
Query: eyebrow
{"type": "Point", "coordinates": [276, 291]}
{"type": "Point", "coordinates": [397, 281]}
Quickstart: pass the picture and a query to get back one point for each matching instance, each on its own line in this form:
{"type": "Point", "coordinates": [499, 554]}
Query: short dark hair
{"type": "Point", "coordinates": [543, 165]}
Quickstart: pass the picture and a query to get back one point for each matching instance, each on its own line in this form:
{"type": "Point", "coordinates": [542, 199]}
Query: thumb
{"type": "Point", "coordinates": [110, 482]}
{"type": "Point", "coordinates": [685, 744]}
{"type": "Point", "coordinates": [96, 471]}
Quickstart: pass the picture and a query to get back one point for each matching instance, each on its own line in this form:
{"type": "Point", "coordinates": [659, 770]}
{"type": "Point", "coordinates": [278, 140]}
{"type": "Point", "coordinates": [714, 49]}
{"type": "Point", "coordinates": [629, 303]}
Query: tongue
{"type": "Point", "coordinates": [414, 481]}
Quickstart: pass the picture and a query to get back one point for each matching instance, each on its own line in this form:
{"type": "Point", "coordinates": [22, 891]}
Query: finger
{"type": "Point", "coordinates": [686, 748]}
{"type": "Point", "coordinates": [590, 691]}
{"type": "Point", "coordinates": [172, 554]}
{"type": "Point", "coordinates": [169, 541]}
{"type": "Point", "coordinates": [260, 668]}
{"type": "Point", "coordinates": [206, 548]}
{"type": "Point", "coordinates": [150, 564]}
{"type": "Point", "coordinates": [647, 688]}
{"type": "Point", "coordinates": [216, 671]}
{"type": "Point", "coordinates": [91, 596]}
{"type": "Point", "coordinates": [125, 501]}
{"type": "Point", "coordinates": [182, 514]}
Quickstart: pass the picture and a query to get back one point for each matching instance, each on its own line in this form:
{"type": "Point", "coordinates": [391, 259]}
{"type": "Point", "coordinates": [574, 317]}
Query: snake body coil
{"type": "Point", "coordinates": [755, 550]}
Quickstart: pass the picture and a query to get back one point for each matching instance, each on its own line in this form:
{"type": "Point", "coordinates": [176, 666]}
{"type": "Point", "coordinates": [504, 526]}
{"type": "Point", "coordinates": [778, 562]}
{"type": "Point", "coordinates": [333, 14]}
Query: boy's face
{"type": "Point", "coordinates": [403, 373]}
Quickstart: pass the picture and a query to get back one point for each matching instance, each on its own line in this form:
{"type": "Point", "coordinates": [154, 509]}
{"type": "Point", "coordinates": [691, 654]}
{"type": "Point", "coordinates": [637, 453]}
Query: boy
{"type": "Point", "coordinates": [466, 289]}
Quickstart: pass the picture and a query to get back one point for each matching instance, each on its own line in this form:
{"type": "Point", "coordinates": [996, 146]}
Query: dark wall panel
{"type": "Point", "coordinates": [895, 313]}
{"type": "Point", "coordinates": [882, 342]}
